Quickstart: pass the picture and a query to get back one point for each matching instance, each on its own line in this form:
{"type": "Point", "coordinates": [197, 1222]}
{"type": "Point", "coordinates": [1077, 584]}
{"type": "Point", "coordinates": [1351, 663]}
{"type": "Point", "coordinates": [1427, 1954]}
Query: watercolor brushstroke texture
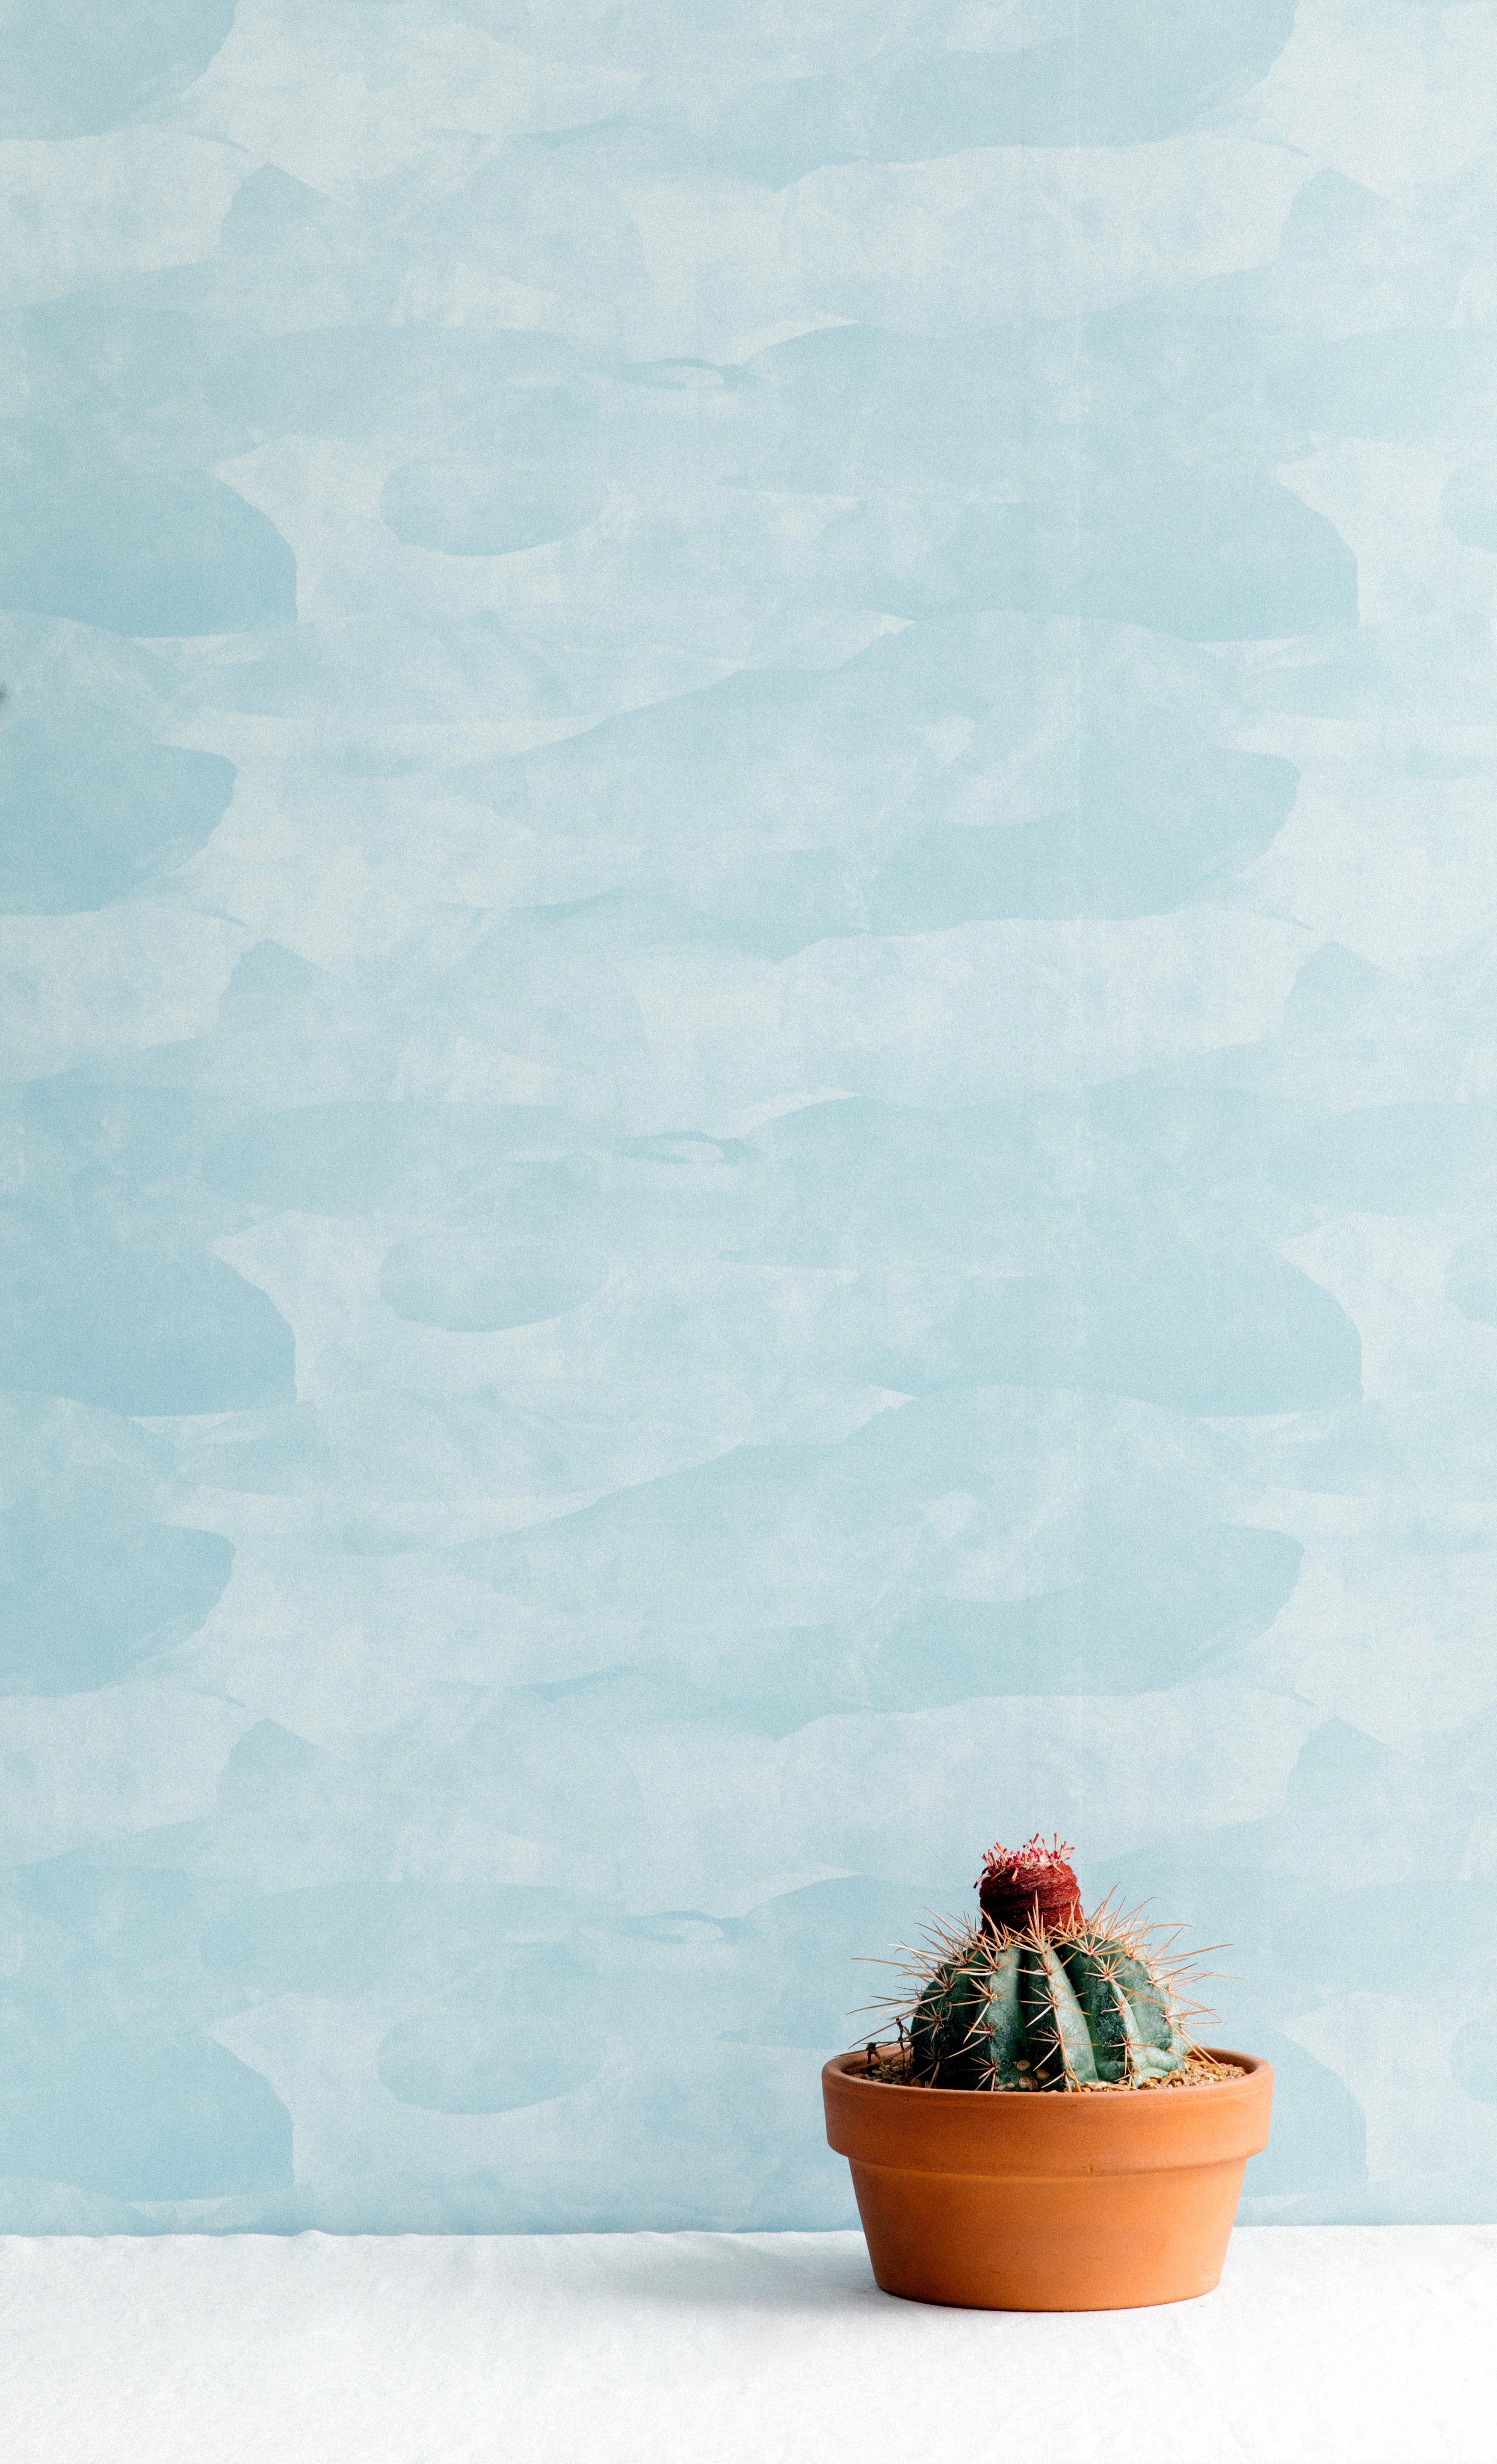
{"type": "Point", "coordinates": [750, 1069]}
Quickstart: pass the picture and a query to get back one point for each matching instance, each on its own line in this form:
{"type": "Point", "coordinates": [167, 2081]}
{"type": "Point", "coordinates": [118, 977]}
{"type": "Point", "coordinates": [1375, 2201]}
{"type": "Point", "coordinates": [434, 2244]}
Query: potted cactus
{"type": "Point", "coordinates": [1042, 2132]}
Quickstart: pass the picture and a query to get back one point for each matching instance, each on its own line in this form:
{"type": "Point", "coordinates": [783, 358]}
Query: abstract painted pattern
{"type": "Point", "coordinates": [749, 1050]}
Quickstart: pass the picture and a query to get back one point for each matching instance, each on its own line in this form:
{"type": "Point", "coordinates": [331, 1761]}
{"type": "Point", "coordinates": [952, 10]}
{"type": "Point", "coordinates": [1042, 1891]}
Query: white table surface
{"type": "Point", "coordinates": [1322, 2346]}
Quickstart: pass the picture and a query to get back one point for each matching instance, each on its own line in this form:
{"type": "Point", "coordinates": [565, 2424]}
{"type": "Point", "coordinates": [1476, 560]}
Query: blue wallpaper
{"type": "Point", "coordinates": [750, 1074]}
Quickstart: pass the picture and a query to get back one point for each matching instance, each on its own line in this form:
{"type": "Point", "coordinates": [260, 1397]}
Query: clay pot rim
{"type": "Point", "coordinates": [1053, 2102]}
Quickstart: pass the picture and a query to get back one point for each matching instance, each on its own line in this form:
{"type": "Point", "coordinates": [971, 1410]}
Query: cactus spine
{"type": "Point", "coordinates": [1037, 1995]}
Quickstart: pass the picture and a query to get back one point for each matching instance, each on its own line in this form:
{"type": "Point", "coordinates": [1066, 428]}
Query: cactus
{"type": "Point", "coordinates": [1039, 1995]}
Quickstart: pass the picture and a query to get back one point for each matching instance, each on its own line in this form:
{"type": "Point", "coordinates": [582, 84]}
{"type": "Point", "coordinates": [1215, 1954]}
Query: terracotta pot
{"type": "Point", "coordinates": [1048, 2202]}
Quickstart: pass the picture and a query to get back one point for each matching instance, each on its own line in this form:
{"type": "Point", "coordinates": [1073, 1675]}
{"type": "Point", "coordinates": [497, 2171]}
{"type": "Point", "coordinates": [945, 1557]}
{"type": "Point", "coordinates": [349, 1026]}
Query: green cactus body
{"type": "Point", "coordinates": [1044, 2009]}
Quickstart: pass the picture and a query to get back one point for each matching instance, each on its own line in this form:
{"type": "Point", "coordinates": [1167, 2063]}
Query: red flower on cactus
{"type": "Point", "coordinates": [1034, 1858]}
{"type": "Point", "coordinates": [1020, 1887]}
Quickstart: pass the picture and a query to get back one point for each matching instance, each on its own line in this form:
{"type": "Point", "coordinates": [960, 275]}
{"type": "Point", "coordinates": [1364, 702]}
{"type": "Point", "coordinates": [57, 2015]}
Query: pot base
{"type": "Point", "coordinates": [992, 2202]}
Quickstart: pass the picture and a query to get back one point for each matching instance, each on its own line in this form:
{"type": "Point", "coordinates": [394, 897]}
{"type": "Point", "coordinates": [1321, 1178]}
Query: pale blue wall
{"type": "Point", "coordinates": [750, 1055]}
